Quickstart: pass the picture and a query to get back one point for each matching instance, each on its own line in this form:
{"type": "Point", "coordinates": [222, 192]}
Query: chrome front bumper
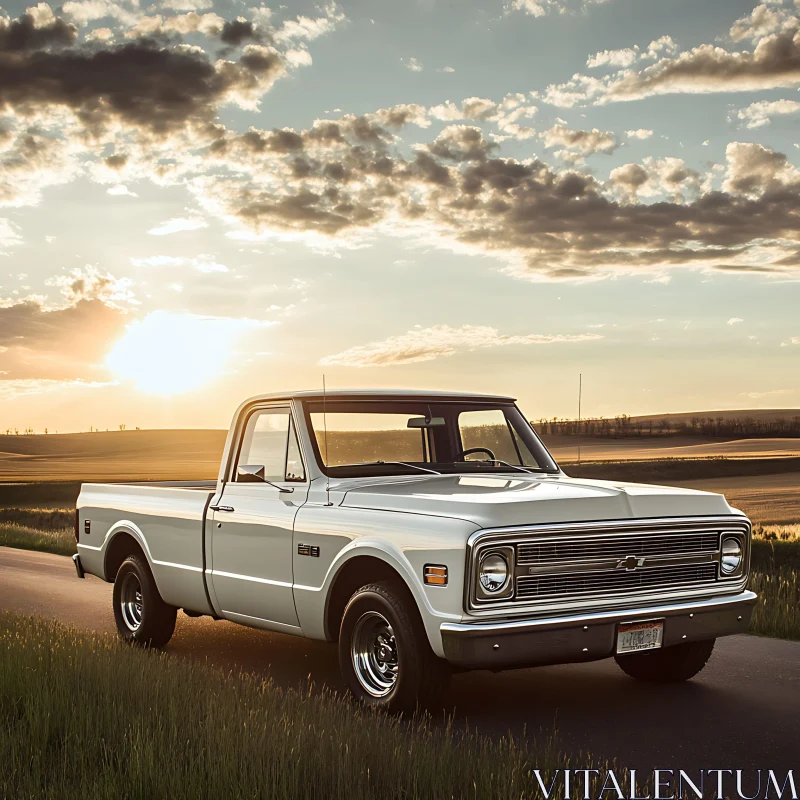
{"type": "Point", "coordinates": [588, 637]}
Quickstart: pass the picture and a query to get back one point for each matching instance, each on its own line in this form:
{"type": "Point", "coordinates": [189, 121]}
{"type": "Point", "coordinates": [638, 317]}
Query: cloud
{"type": "Point", "coordinates": [735, 320]}
{"type": "Point", "coordinates": [774, 63]}
{"type": "Point", "coordinates": [613, 58]}
{"type": "Point", "coordinates": [152, 83]}
{"type": "Point", "coordinates": [585, 143]}
{"type": "Point", "coordinates": [771, 393]}
{"type": "Point", "coordinates": [343, 181]}
{"type": "Point", "coordinates": [35, 29]}
{"type": "Point", "coordinates": [754, 170]}
{"type": "Point", "coordinates": [793, 340]}
{"type": "Point", "coordinates": [540, 8]}
{"type": "Point", "coordinates": [759, 114]}
{"type": "Point", "coordinates": [412, 64]}
{"type": "Point", "coordinates": [202, 263]}
{"type": "Point", "coordinates": [312, 28]}
{"type": "Point", "coordinates": [427, 344]}
{"type": "Point", "coordinates": [9, 234]}
{"type": "Point", "coordinates": [90, 283]}
{"type": "Point", "coordinates": [120, 190]}
{"type": "Point", "coordinates": [177, 225]}
{"type": "Point", "coordinates": [640, 133]}
{"type": "Point", "coordinates": [445, 69]}
{"type": "Point", "coordinates": [56, 344]}
{"type": "Point", "coordinates": [658, 176]}
{"type": "Point", "coordinates": [766, 18]}
{"type": "Point", "coordinates": [31, 161]}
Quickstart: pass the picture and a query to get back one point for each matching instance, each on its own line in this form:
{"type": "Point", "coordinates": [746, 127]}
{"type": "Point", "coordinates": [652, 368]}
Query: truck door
{"type": "Point", "coordinates": [251, 528]}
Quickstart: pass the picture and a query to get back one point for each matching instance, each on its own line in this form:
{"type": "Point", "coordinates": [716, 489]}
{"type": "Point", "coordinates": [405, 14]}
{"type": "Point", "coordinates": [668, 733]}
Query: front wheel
{"type": "Point", "coordinates": [668, 665]}
{"type": "Point", "coordinates": [141, 615]}
{"type": "Point", "coordinates": [384, 654]}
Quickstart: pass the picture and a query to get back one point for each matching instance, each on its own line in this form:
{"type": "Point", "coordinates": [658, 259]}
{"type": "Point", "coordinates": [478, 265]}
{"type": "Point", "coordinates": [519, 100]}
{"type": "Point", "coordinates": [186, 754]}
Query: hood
{"type": "Point", "coordinates": [493, 501]}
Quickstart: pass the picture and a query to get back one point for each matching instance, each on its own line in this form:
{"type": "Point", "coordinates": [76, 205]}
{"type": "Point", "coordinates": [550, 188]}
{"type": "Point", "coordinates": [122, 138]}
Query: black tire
{"type": "Point", "coordinates": [142, 617]}
{"type": "Point", "coordinates": [420, 677]}
{"type": "Point", "coordinates": [668, 665]}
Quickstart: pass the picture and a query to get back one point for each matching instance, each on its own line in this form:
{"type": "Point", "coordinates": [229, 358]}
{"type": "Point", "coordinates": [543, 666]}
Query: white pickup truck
{"type": "Point", "coordinates": [424, 532]}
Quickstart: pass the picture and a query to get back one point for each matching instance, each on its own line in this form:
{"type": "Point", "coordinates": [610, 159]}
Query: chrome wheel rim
{"type": "Point", "coordinates": [374, 653]}
{"type": "Point", "coordinates": [130, 601]}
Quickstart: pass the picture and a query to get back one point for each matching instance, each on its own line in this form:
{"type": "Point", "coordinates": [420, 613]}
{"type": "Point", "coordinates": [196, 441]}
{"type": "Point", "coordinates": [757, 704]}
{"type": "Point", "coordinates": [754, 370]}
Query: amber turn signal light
{"type": "Point", "coordinates": [435, 574]}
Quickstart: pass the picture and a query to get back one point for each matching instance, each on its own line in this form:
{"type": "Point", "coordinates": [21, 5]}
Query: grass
{"type": "Point", "coordinates": [60, 541]}
{"type": "Point", "coordinates": [45, 529]}
{"type": "Point", "coordinates": [82, 715]}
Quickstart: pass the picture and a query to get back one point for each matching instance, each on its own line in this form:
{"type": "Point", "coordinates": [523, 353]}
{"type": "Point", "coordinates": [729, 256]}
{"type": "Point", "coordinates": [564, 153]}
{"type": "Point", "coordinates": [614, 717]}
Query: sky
{"type": "Point", "coordinates": [202, 201]}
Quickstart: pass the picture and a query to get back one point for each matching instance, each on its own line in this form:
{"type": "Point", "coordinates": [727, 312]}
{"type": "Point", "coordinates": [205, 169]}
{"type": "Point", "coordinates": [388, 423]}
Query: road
{"type": "Point", "coordinates": [742, 712]}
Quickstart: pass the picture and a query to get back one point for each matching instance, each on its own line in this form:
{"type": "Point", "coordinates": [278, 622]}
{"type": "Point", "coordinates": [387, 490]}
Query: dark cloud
{"type": "Point", "coordinates": [237, 31]}
{"type": "Point", "coordinates": [23, 34]}
{"type": "Point", "coordinates": [774, 63]}
{"type": "Point", "coordinates": [142, 83]}
{"type": "Point", "coordinates": [61, 344]}
{"type": "Point", "coordinates": [560, 224]}
{"type": "Point", "coordinates": [461, 143]}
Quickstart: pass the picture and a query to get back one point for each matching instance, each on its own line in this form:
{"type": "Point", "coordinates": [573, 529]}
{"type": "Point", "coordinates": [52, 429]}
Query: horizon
{"type": "Point", "coordinates": [703, 415]}
{"type": "Point", "coordinates": [263, 195]}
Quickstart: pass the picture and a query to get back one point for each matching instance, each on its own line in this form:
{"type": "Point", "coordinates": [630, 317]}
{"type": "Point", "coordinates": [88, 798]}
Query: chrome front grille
{"type": "Point", "coordinates": [598, 564]}
{"type": "Point", "coordinates": [578, 549]}
{"type": "Point", "coordinates": [534, 587]}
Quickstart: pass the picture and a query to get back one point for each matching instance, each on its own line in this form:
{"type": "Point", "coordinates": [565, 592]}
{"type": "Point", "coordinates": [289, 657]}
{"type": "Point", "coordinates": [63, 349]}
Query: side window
{"type": "Point", "coordinates": [488, 429]}
{"type": "Point", "coordinates": [265, 442]}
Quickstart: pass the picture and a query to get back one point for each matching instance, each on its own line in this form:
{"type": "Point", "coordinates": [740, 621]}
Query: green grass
{"type": "Point", "coordinates": [777, 612]}
{"type": "Point", "coordinates": [82, 715]}
{"type": "Point", "coordinates": [50, 530]}
{"type": "Point", "coordinates": [60, 541]}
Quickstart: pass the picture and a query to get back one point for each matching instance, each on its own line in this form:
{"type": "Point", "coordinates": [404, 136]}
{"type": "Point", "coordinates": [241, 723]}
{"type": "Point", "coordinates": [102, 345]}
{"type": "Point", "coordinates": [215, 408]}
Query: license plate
{"type": "Point", "coordinates": [633, 637]}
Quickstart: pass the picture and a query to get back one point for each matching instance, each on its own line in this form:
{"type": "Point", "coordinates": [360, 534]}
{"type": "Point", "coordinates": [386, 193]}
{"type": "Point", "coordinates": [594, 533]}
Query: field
{"type": "Point", "coordinates": [82, 715]}
{"type": "Point", "coordinates": [655, 448]}
{"type": "Point", "coordinates": [112, 456]}
{"type": "Point", "coordinates": [195, 454]}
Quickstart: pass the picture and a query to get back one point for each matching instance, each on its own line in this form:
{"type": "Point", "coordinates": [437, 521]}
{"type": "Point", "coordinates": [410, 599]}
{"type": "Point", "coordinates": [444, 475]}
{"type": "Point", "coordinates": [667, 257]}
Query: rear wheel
{"type": "Point", "coordinates": [668, 665]}
{"type": "Point", "coordinates": [141, 615]}
{"type": "Point", "coordinates": [384, 653]}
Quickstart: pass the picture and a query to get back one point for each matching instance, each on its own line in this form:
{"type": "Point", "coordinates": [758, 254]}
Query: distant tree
{"type": "Point", "coordinates": [122, 427]}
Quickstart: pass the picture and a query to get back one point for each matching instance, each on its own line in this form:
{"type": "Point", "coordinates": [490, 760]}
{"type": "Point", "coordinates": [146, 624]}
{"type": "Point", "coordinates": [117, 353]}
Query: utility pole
{"type": "Point", "coordinates": [580, 392]}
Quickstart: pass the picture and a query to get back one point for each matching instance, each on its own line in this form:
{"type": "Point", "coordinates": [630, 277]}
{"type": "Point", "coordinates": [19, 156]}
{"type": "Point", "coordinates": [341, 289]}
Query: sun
{"type": "Point", "coordinates": [167, 353]}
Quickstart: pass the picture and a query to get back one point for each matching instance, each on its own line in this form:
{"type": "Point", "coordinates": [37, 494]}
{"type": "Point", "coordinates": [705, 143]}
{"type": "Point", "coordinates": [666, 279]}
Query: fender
{"type": "Point", "coordinates": [126, 526]}
{"type": "Point", "coordinates": [391, 556]}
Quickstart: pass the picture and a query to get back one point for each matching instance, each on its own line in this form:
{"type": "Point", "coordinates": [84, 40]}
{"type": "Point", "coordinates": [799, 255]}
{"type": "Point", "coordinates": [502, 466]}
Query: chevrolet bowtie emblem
{"type": "Point", "coordinates": [630, 562]}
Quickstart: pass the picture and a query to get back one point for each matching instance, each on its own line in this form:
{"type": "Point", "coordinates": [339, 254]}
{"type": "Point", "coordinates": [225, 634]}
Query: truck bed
{"type": "Point", "coordinates": [167, 519]}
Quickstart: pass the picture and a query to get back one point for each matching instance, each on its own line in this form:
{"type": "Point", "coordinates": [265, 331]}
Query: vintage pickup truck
{"type": "Point", "coordinates": [424, 532]}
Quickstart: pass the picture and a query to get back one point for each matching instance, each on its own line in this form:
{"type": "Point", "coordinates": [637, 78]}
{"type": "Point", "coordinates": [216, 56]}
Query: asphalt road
{"type": "Point", "coordinates": [741, 712]}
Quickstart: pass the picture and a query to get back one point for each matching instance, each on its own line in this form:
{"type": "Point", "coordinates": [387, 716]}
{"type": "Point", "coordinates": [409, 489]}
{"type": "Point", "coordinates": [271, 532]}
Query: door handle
{"type": "Point", "coordinates": [222, 508]}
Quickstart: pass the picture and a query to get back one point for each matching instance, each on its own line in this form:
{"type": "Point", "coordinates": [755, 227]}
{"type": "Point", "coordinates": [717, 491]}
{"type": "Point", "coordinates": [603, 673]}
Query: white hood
{"type": "Point", "coordinates": [496, 502]}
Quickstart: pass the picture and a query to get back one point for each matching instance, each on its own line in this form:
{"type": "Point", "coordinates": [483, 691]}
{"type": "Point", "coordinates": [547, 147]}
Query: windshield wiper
{"type": "Point", "coordinates": [506, 464]}
{"type": "Point", "coordinates": [517, 466]}
{"type": "Point", "coordinates": [398, 463]}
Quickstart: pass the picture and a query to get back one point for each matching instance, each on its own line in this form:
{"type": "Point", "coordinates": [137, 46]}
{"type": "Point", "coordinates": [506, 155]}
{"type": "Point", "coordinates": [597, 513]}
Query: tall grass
{"type": "Point", "coordinates": [777, 612]}
{"type": "Point", "coordinates": [84, 716]}
{"type": "Point", "coordinates": [60, 540]}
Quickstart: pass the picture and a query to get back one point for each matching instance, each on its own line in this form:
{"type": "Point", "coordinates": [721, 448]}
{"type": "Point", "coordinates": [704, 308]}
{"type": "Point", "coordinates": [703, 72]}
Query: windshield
{"type": "Point", "coordinates": [388, 437]}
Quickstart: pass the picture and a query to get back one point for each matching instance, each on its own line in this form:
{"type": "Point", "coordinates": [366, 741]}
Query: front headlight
{"type": "Point", "coordinates": [493, 573]}
{"type": "Point", "coordinates": [731, 557]}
